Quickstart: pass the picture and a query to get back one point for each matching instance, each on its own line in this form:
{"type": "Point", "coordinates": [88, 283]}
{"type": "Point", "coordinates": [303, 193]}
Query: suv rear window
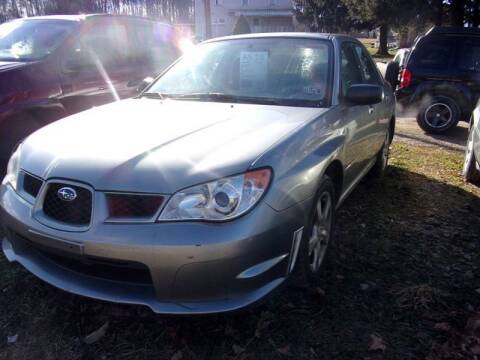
{"type": "Point", "coordinates": [433, 53]}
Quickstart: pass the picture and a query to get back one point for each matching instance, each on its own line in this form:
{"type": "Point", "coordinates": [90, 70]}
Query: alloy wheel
{"type": "Point", "coordinates": [438, 115]}
{"type": "Point", "coordinates": [321, 231]}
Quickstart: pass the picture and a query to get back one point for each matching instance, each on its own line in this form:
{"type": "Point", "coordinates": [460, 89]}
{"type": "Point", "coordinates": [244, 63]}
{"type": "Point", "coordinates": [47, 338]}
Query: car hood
{"type": "Point", "coordinates": [153, 146]}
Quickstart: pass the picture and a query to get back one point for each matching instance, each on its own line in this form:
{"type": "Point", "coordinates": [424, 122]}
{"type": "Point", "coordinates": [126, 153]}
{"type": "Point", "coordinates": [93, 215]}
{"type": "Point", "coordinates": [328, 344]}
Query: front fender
{"type": "Point", "coordinates": [301, 159]}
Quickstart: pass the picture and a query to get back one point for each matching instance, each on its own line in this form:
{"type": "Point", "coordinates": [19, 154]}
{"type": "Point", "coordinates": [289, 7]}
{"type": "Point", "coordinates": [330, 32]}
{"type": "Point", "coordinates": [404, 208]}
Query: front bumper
{"type": "Point", "coordinates": [183, 267]}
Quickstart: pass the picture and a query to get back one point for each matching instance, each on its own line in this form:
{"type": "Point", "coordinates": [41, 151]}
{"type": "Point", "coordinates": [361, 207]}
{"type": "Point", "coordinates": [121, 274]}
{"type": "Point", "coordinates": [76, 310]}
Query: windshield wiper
{"type": "Point", "coordinates": [213, 96]}
{"type": "Point", "coordinates": [226, 98]}
{"type": "Point", "coordinates": [153, 95]}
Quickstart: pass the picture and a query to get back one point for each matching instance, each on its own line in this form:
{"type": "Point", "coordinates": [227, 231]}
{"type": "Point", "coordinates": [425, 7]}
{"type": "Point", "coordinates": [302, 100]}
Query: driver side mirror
{"type": "Point", "coordinates": [364, 94]}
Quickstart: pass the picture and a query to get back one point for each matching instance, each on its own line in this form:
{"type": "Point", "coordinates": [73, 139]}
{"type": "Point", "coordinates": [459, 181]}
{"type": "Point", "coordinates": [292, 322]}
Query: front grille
{"type": "Point", "coordinates": [133, 206]}
{"type": "Point", "coordinates": [31, 184]}
{"type": "Point", "coordinates": [77, 212]}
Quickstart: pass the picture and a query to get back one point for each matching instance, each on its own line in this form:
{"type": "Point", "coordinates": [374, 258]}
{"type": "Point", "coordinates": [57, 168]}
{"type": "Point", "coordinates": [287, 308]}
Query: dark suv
{"type": "Point", "coordinates": [54, 66]}
{"type": "Point", "coordinates": [441, 80]}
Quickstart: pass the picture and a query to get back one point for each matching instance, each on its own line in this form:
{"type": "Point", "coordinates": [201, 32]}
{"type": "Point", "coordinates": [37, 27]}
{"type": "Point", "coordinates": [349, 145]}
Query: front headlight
{"type": "Point", "coordinates": [218, 200]}
{"type": "Point", "coordinates": [13, 168]}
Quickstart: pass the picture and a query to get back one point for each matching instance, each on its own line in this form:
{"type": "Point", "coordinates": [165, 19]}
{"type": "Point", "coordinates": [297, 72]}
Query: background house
{"type": "Point", "coordinates": [262, 16]}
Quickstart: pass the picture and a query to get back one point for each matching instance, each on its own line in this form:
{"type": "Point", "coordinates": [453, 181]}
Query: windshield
{"type": "Point", "coordinates": [28, 40]}
{"type": "Point", "coordinates": [271, 70]}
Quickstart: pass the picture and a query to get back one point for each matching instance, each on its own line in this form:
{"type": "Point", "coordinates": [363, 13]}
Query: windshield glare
{"type": "Point", "coordinates": [293, 70]}
{"type": "Point", "coordinates": [27, 40]}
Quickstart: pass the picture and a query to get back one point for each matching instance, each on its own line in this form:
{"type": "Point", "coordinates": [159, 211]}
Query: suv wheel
{"type": "Point", "coordinates": [317, 236]}
{"type": "Point", "coordinates": [471, 172]}
{"type": "Point", "coordinates": [439, 115]}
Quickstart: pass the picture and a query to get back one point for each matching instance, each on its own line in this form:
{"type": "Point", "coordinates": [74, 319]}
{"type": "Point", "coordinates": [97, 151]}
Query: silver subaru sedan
{"type": "Point", "coordinates": [213, 187]}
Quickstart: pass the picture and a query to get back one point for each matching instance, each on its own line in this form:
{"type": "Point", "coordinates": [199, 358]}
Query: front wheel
{"type": "Point", "coordinates": [471, 172]}
{"type": "Point", "coordinates": [439, 115]}
{"type": "Point", "coordinates": [317, 237]}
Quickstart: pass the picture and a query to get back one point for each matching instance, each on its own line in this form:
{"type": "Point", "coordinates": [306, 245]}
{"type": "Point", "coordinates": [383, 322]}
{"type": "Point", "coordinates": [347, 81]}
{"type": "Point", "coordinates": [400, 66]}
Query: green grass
{"type": "Point", "coordinates": [370, 45]}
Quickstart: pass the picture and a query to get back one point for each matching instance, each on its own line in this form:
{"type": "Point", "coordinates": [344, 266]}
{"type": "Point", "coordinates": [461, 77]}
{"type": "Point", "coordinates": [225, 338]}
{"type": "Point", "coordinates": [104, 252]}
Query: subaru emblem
{"type": "Point", "coordinates": [67, 194]}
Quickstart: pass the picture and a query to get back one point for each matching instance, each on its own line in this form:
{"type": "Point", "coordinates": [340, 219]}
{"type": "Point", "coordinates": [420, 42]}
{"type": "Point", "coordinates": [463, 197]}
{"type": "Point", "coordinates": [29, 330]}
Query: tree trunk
{"type": "Point", "coordinates": [458, 12]}
{"type": "Point", "coordinates": [403, 38]}
{"type": "Point", "coordinates": [383, 48]}
{"type": "Point", "coordinates": [208, 19]}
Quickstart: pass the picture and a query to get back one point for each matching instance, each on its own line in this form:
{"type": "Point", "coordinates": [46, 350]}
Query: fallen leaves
{"type": "Point", "coordinates": [12, 339]}
{"type": "Point", "coordinates": [459, 344]}
{"type": "Point", "coordinates": [284, 350]}
{"type": "Point", "coordinates": [96, 335]}
{"type": "Point", "coordinates": [377, 343]}
{"type": "Point", "coordinates": [177, 356]}
{"type": "Point", "coordinates": [237, 349]}
{"type": "Point", "coordinates": [443, 326]}
{"type": "Point", "coordinates": [419, 296]}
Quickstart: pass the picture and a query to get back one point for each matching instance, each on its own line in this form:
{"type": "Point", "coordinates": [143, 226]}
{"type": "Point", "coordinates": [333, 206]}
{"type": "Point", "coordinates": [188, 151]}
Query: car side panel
{"type": "Point", "coordinates": [300, 160]}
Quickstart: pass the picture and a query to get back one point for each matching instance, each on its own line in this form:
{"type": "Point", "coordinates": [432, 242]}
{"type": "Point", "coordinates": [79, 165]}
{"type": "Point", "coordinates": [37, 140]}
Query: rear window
{"type": "Point", "coordinates": [433, 53]}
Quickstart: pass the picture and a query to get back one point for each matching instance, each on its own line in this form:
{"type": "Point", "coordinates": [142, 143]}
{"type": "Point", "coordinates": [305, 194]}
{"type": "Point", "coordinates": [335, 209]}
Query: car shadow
{"type": "Point", "coordinates": [404, 256]}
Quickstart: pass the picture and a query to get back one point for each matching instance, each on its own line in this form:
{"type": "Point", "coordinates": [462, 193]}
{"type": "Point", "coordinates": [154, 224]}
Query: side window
{"type": "Point", "coordinates": [349, 72]}
{"type": "Point", "coordinates": [105, 44]}
{"type": "Point", "coordinates": [434, 53]}
{"type": "Point", "coordinates": [469, 56]}
{"type": "Point", "coordinates": [367, 67]}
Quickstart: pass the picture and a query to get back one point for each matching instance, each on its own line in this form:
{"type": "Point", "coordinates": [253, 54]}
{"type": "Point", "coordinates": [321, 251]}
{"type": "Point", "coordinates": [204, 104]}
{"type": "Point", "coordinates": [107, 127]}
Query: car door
{"type": "Point", "coordinates": [379, 113]}
{"type": "Point", "coordinates": [95, 68]}
{"type": "Point", "coordinates": [359, 119]}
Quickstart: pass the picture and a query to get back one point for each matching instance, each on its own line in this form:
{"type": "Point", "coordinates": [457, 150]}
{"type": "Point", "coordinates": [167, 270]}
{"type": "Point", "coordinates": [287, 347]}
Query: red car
{"type": "Point", "coordinates": [54, 66]}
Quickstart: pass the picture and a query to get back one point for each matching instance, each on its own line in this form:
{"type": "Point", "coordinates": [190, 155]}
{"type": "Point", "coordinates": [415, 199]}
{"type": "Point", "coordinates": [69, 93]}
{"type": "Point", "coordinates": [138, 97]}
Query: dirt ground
{"type": "Point", "coordinates": [405, 285]}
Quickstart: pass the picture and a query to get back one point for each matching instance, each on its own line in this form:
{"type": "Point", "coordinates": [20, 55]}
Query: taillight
{"type": "Point", "coordinates": [405, 78]}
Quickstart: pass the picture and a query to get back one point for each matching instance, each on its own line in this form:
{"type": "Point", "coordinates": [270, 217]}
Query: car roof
{"type": "Point", "coordinates": [83, 17]}
{"type": "Point", "coordinates": [457, 30]}
{"type": "Point", "coordinates": [298, 35]}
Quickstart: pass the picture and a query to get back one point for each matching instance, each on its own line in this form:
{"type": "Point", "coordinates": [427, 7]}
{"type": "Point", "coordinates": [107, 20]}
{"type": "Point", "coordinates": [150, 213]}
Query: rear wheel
{"type": "Point", "coordinates": [439, 115]}
{"type": "Point", "coordinates": [471, 171]}
{"type": "Point", "coordinates": [317, 238]}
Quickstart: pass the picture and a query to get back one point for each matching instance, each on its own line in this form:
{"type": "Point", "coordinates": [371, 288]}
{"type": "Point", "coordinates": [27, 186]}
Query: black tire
{"type": "Point", "coordinates": [305, 271]}
{"type": "Point", "coordinates": [381, 161]}
{"type": "Point", "coordinates": [439, 114]}
{"type": "Point", "coordinates": [14, 131]}
{"type": "Point", "coordinates": [471, 171]}
{"type": "Point", "coordinates": [391, 74]}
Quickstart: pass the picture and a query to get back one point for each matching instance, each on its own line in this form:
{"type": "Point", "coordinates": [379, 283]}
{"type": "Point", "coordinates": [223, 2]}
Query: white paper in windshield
{"type": "Point", "coordinates": [253, 69]}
